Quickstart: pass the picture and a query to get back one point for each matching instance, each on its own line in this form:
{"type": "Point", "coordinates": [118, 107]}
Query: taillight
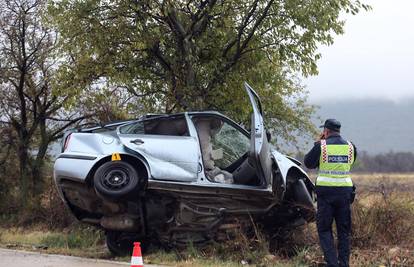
{"type": "Point", "coordinates": [66, 144]}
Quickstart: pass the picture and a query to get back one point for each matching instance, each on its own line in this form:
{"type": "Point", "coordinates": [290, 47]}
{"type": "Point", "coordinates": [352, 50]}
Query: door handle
{"type": "Point", "coordinates": [137, 141]}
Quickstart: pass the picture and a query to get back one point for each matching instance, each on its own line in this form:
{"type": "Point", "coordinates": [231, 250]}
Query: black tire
{"type": "Point", "coordinates": [115, 180]}
{"type": "Point", "coordinates": [121, 244]}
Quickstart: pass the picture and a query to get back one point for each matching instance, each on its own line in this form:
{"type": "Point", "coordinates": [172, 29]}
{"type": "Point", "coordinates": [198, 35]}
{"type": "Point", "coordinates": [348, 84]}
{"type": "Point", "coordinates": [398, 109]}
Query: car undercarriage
{"type": "Point", "coordinates": [175, 218]}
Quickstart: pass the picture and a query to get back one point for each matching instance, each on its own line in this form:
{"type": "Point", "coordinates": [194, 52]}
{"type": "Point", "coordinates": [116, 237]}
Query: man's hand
{"type": "Point", "coordinates": [321, 136]}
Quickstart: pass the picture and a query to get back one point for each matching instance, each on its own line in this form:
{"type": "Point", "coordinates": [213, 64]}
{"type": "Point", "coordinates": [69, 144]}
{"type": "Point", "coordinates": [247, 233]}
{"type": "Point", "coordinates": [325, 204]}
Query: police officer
{"type": "Point", "coordinates": [334, 156]}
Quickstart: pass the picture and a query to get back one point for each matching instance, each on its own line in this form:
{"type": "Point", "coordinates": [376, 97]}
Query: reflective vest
{"type": "Point", "coordinates": [335, 164]}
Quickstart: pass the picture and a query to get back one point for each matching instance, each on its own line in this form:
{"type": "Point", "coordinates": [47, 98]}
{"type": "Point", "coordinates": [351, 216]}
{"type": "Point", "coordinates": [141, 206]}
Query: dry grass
{"type": "Point", "coordinates": [380, 182]}
{"type": "Point", "coordinates": [77, 240]}
{"type": "Point", "coordinates": [384, 220]}
{"type": "Point", "coordinates": [383, 235]}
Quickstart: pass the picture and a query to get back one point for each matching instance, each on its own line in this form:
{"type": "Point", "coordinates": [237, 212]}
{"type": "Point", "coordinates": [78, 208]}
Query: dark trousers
{"type": "Point", "coordinates": [338, 207]}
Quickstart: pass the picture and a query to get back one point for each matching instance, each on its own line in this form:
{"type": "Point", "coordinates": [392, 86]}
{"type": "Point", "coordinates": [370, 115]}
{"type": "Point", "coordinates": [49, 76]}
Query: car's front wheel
{"type": "Point", "coordinates": [121, 244]}
{"type": "Point", "coordinates": [116, 179]}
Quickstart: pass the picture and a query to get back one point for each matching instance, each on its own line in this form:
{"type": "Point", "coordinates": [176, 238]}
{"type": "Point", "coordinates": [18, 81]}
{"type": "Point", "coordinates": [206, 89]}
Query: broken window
{"type": "Point", "coordinates": [229, 145]}
{"type": "Point", "coordinates": [174, 126]}
{"type": "Point", "coordinates": [222, 145]}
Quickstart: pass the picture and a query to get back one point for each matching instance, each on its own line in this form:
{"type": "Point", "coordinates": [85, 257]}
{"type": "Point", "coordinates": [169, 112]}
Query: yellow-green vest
{"type": "Point", "coordinates": [335, 164]}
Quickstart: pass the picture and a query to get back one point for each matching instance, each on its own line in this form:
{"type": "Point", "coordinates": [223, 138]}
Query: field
{"type": "Point", "coordinates": [383, 235]}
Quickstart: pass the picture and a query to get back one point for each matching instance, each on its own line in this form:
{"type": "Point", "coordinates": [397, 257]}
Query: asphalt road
{"type": "Point", "coordinates": [15, 258]}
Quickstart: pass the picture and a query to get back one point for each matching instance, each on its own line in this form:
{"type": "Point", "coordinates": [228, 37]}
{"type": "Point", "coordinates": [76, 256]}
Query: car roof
{"type": "Point", "coordinates": [154, 116]}
{"type": "Point", "coordinates": [183, 113]}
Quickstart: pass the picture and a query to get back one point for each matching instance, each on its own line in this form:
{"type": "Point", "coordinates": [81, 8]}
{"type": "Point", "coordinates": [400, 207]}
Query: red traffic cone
{"type": "Point", "coordinates": [136, 259]}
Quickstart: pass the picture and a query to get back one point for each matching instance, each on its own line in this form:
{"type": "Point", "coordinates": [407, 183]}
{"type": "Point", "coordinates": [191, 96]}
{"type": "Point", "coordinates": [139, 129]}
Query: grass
{"type": "Point", "coordinates": [77, 241]}
{"type": "Point", "coordinates": [383, 235]}
{"type": "Point", "coordinates": [220, 255]}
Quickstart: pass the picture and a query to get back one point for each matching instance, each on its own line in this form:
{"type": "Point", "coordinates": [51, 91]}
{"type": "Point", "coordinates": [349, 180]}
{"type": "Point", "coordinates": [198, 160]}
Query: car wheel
{"type": "Point", "coordinates": [115, 179]}
{"type": "Point", "coordinates": [122, 244]}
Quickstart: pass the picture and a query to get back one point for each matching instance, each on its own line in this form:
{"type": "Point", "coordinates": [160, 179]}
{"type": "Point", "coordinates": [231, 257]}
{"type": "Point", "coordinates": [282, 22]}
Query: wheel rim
{"type": "Point", "coordinates": [116, 179]}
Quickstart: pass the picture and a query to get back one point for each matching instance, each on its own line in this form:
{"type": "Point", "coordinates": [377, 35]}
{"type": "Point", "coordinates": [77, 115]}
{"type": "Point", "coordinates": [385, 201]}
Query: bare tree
{"type": "Point", "coordinates": [29, 106]}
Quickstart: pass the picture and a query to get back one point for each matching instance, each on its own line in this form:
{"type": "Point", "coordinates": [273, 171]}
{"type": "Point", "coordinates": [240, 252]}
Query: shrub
{"type": "Point", "coordinates": [385, 219]}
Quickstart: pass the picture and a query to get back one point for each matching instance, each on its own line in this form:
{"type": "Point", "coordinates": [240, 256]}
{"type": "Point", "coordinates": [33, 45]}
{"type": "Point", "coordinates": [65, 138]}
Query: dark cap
{"type": "Point", "coordinates": [332, 124]}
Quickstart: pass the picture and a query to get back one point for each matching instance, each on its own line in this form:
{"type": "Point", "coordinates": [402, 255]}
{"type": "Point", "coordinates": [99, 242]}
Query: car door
{"type": "Point", "coordinates": [169, 157]}
{"type": "Point", "coordinates": [259, 146]}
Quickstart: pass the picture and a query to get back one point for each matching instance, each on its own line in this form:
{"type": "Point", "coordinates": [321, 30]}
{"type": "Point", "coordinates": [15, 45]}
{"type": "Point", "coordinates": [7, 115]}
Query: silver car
{"type": "Point", "coordinates": [179, 178]}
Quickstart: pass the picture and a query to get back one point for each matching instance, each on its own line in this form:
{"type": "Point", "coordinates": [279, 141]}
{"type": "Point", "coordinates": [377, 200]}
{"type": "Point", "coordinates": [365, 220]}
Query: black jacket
{"type": "Point", "coordinates": [312, 162]}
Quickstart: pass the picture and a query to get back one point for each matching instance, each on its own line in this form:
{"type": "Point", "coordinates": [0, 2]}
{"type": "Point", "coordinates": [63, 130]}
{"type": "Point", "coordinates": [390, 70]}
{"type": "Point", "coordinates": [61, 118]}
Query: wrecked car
{"type": "Point", "coordinates": [180, 178]}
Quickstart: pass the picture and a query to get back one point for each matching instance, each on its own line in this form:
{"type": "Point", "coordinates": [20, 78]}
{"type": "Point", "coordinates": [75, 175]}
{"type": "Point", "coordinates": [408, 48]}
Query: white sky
{"type": "Point", "coordinates": [373, 59]}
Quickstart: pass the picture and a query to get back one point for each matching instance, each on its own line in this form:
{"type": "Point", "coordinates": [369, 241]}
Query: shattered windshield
{"type": "Point", "coordinates": [231, 143]}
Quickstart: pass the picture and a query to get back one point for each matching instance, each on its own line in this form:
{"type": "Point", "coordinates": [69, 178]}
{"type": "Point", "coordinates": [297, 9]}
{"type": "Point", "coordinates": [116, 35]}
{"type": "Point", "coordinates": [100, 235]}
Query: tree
{"type": "Point", "coordinates": [29, 107]}
{"type": "Point", "coordinates": [7, 164]}
{"type": "Point", "coordinates": [194, 54]}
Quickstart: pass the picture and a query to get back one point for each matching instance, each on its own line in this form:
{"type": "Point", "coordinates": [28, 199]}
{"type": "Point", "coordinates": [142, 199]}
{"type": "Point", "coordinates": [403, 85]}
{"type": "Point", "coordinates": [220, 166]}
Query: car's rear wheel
{"type": "Point", "coordinates": [116, 179]}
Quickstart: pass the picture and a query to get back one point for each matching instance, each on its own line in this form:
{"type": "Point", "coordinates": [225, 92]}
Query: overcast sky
{"type": "Point", "coordinates": [373, 59]}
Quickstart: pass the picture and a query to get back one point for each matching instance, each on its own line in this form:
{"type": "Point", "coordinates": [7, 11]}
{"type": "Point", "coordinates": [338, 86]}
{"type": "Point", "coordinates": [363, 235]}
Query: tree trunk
{"type": "Point", "coordinates": [37, 166]}
{"type": "Point", "coordinates": [24, 174]}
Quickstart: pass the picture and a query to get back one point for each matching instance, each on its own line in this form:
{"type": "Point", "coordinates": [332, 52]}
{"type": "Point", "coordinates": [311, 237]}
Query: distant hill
{"type": "Point", "coordinates": [375, 126]}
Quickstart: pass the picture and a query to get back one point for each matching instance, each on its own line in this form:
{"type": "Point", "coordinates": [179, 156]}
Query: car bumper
{"type": "Point", "coordinates": [75, 167]}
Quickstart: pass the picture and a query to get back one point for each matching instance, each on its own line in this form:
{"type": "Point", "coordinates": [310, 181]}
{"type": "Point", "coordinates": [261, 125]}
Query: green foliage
{"type": "Point", "coordinates": [191, 55]}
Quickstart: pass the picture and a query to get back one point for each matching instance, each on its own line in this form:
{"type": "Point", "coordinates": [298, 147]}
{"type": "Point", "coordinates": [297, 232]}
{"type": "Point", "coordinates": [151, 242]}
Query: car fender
{"type": "Point", "coordinates": [285, 164]}
{"type": "Point", "coordinates": [78, 166]}
{"type": "Point", "coordinates": [87, 150]}
{"type": "Point", "coordinates": [304, 188]}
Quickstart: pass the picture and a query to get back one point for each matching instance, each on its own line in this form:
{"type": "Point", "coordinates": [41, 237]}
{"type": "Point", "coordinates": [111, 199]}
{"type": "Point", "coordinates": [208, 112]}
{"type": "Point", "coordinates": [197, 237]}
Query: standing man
{"type": "Point", "coordinates": [334, 157]}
